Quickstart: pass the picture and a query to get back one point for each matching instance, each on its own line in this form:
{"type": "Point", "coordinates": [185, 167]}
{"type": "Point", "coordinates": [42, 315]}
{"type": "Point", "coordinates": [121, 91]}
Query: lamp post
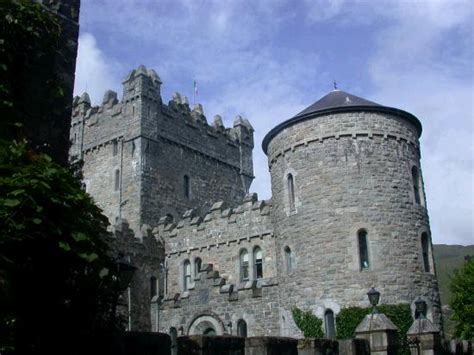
{"type": "Point", "coordinates": [374, 297]}
{"type": "Point", "coordinates": [122, 280]}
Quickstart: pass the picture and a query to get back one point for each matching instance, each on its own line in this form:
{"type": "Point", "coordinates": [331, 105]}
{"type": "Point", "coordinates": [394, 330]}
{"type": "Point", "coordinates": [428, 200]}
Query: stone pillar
{"type": "Point", "coordinates": [380, 332]}
{"type": "Point", "coordinates": [271, 346]}
{"type": "Point", "coordinates": [427, 337]}
{"type": "Point", "coordinates": [317, 346]}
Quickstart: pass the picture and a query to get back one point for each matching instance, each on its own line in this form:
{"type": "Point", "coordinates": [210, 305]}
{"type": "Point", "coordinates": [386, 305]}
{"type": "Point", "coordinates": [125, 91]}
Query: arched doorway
{"type": "Point", "coordinates": [206, 325]}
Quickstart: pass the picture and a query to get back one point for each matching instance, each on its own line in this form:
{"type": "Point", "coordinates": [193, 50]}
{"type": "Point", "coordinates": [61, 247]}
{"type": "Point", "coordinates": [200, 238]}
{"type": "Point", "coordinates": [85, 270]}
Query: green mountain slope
{"type": "Point", "coordinates": [447, 259]}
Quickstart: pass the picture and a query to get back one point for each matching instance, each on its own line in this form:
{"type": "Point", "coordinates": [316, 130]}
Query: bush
{"type": "Point", "coordinates": [308, 323]}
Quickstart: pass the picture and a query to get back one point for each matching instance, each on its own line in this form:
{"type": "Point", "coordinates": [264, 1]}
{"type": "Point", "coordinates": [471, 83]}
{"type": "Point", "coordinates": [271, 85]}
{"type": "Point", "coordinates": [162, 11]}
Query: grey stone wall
{"type": "Point", "coordinates": [217, 239]}
{"type": "Point", "coordinates": [156, 145]}
{"type": "Point", "coordinates": [351, 171]}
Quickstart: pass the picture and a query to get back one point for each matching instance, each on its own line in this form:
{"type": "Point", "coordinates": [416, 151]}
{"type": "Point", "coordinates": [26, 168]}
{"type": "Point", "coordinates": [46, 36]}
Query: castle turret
{"type": "Point", "coordinates": [349, 207]}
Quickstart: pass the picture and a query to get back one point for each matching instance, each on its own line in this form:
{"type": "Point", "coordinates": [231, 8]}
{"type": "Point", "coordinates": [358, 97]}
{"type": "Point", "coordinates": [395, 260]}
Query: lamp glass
{"type": "Point", "coordinates": [374, 296]}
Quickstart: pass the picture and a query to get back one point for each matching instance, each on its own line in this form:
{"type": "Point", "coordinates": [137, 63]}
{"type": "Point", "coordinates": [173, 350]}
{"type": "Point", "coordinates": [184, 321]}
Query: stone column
{"type": "Point", "coordinates": [380, 332]}
{"type": "Point", "coordinates": [427, 335]}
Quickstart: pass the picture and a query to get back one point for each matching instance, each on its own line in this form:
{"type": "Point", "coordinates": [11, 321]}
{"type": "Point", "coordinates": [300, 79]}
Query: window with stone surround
{"type": "Point", "coordinates": [117, 180]}
{"type": "Point", "coordinates": [363, 249]}
{"type": "Point", "coordinates": [197, 266]}
{"type": "Point", "coordinates": [416, 184]}
{"type": "Point", "coordinates": [187, 187]}
{"type": "Point", "coordinates": [425, 248]}
{"type": "Point", "coordinates": [244, 265]}
{"type": "Point", "coordinates": [291, 192]}
{"type": "Point", "coordinates": [153, 287]}
{"type": "Point", "coordinates": [257, 263]}
{"type": "Point", "coordinates": [186, 275]}
{"type": "Point", "coordinates": [241, 328]}
{"type": "Point", "coordinates": [288, 259]}
{"type": "Point", "coordinates": [329, 324]}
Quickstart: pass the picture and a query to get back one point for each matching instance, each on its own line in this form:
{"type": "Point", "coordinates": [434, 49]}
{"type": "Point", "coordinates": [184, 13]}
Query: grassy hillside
{"type": "Point", "coordinates": [447, 259]}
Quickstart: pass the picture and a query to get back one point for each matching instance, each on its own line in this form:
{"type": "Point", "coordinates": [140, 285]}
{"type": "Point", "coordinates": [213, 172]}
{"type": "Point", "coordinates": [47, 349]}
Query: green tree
{"type": "Point", "coordinates": [308, 323]}
{"type": "Point", "coordinates": [462, 288]}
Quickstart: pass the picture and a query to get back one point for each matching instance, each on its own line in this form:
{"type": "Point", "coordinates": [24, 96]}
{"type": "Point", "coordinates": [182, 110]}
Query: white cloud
{"type": "Point", "coordinates": [94, 71]}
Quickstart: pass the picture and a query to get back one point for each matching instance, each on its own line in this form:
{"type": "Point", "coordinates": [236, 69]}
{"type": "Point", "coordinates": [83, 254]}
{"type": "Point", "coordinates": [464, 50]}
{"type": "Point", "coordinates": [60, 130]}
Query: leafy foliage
{"type": "Point", "coordinates": [308, 323]}
{"type": "Point", "coordinates": [462, 287]}
{"type": "Point", "coordinates": [29, 41]}
{"type": "Point", "coordinates": [349, 318]}
{"type": "Point", "coordinates": [55, 274]}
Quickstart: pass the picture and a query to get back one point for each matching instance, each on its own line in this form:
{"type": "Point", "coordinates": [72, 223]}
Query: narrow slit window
{"type": "Point", "coordinates": [115, 148]}
{"type": "Point", "coordinates": [153, 287]}
{"type": "Point", "coordinates": [416, 184]}
{"type": "Point", "coordinates": [291, 192]}
{"type": "Point", "coordinates": [187, 187]}
{"type": "Point", "coordinates": [363, 250]}
{"type": "Point", "coordinates": [289, 262]}
{"type": "Point", "coordinates": [258, 263]}
{"type": "Point", "coordinates": [329, 325]}
{"type": "Point", "coordinates": [117, 180]}
{"type": "Point", "coordinates": [187, 275]}
{"type": "Point", "coordinates": [244, 265]}
{"type": "Point", "coordinates": [425, 247]}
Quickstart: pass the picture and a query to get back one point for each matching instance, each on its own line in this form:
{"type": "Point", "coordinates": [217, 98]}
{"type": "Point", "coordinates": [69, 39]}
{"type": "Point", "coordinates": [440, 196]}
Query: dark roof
{"type": "Point", "coordinates": [338, 101]}
{"type": "Point", "coordinates": [336, 98]}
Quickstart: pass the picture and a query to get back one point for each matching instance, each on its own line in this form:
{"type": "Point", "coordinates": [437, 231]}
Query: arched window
{"type": "Point", "coordinates": [153, 287]}
{"type": "Point", "coordinates": [117, 180]}
{"type": "Point", "coordinates": [363, 250]}
{"type": "Point", "coordinates": [244, 265]}
{"type": "Point", "coordinates": [425, 248]}
{"type": "Point", "coordinates": [187, 187]}
{"type": "Point", "coordinates": [197, 266]}
{"type": "Point", "coordinates": [258, 263]}
{"type": "Point", "coordinates": [242, 328]}
{"type": "Point", "coordinates": [288, 260]}
{"type": "Point", "coordinates": [329, 325]}
{"type": "Point", "coordinates": [291, 192]}
{"type": "Point", "coordinates": [187, 275]}
{"type": "Point", "coordinates": [416, 184]}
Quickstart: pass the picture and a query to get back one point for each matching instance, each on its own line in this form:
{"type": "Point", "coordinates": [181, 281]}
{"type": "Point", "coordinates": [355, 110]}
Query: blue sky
{"type": "Point", "coordinates": [267, 60]}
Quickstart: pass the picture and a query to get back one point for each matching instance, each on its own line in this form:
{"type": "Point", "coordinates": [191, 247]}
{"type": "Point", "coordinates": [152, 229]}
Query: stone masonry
{"type": "Point", "coordinates": [347, 213]}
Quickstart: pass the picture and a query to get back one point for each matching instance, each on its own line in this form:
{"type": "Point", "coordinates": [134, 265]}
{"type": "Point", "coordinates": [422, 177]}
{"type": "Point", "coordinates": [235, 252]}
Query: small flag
{"type": "Point", "coordinates": [195, 88]}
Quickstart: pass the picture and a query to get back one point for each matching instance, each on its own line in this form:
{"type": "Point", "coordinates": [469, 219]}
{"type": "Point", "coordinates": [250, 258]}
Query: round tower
{"type": "Point", "coordinates": [349, 208]}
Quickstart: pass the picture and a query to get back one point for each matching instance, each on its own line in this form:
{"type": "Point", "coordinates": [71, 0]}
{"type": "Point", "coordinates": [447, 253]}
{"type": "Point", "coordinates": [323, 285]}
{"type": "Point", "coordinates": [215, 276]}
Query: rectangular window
{"type": "Point", "coordinates": [115, 148]}
{"type": "Point", "coordinates": [363, 251]}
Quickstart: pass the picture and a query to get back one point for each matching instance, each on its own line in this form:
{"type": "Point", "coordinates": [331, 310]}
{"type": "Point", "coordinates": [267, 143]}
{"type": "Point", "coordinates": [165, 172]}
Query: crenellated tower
{"type": "Point", "coordinates": [143, 159]}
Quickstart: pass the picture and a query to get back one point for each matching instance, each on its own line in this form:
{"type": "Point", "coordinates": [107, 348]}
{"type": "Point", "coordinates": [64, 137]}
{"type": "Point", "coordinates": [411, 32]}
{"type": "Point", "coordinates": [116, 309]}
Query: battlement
{"type": "Point", "coordinates": [194, 232]}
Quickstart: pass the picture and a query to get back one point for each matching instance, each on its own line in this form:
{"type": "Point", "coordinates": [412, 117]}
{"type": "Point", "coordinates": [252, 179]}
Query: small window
{"type": "Point", "coordinates": [363, 250]}
{"type": "Point", "coordinates": [425, 247]}
{"type": "Point", "coordinates": [187, 275]}
{"type": "Point", "coordinates": [329, 325]}
{"type": "Point", "coordinates": [416, 184]}
{"type": "Point", "coordinates": [115, 148]}
{"type": "Point", "coordinates": [258, 263]}
{"type": "Point", "coordinates": [117, 180]}
{"type": "Point", "coordinates": [197, 266]}
{"type": "Point", "coordinates": [149, 111]}
{"type": "Point", "coordinates": [153, 288]}
{"type": "Point", "coordinates": [288, 260]}
{"type": "Point", "coordinates": [244, 265]}
{"type": "Point", "coordinates": [291, 192]}
{"type": "Point", "coordinates": [242, 328]}
{"type": "Point", "coordinates": [133, 110]}
{"type": "Point", "coordinates": [187, 187]}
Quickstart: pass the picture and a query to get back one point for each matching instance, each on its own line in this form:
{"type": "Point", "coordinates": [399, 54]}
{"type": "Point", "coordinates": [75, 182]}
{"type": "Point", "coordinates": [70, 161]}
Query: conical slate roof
{"type": "Point", "coordinates": [339, 101]}
{"type": "Point", "coordinates": [334, 99]}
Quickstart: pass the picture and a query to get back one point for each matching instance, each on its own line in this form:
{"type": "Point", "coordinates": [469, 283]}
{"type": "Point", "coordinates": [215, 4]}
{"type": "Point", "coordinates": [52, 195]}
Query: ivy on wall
{"type": "Point", "coordinates": [308, 323]}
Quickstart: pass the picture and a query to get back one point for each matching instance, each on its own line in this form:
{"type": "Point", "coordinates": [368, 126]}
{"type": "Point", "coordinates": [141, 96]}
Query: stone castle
{"type": "Point", "coordinates": [347, 211]}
